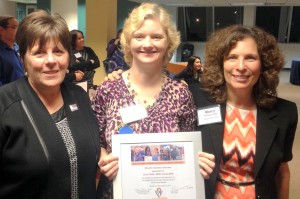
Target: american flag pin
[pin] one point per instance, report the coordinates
(73, 107)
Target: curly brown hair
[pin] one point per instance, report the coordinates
(217, 49)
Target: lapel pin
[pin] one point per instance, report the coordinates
(73, 107)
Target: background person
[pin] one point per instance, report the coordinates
(48, 132)
(83, 58)
(253, 143)
(137, 155)
(148, 151)
(174, 153)
(115, 57)
(192, 72)
(11, 67)
(156, 155)
(149, 38)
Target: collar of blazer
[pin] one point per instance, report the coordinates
(265, 133)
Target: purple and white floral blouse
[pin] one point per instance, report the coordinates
(174, 110)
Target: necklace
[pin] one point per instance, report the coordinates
(136, 96)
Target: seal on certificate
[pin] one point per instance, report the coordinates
(158, 192)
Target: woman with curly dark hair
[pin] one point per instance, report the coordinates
(248, 128)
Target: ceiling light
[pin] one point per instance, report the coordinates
(247, 4)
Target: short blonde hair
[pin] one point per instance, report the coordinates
(136, 19)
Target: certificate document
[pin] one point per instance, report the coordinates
(158, 166)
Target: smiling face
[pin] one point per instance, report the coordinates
(46, 66)
(149, 44)
(242, 66)
(197, 64)
(79, 41)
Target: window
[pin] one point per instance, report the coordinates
(295, 25)
(225, 16)
(268, 18)
(196, 23)
(281, 21)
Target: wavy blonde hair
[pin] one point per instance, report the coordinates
(136, 19)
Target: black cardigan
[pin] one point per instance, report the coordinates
(83, 65)
(187, 77)
(33, 166)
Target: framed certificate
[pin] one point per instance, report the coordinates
(158, 166)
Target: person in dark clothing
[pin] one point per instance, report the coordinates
(11, 67)
(83, 58)
(115, 56)
(252, 138)
(49, 137)
(192, 73)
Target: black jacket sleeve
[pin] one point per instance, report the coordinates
(70, 76)
(181, 75)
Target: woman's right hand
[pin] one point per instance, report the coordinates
(206, 163)
(109, 165)
(113, 75)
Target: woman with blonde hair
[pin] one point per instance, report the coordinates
(148, 40)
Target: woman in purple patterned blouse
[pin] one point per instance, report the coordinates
(149, 39)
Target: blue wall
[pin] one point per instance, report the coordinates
(81, 13)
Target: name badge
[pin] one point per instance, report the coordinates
(77, 55)
(209, 115)
(133, 113)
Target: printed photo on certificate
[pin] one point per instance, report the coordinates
(158, 166)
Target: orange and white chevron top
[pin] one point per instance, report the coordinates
(237, 164)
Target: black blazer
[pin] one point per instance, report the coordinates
(34, 160)
(275, 133)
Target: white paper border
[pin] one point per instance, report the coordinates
(145, 138)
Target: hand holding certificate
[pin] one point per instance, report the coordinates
(158, 165)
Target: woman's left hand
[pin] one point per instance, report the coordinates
(206, 163)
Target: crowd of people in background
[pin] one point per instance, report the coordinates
(54, 138)
(157, 153)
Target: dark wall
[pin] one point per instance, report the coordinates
(124, 8)
(44, 4)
